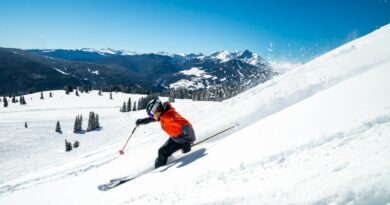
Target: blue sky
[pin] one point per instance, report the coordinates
(280, 30)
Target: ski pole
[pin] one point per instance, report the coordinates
(121, 151)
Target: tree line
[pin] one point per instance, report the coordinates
(140, 105)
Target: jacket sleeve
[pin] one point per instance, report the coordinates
(145, 121)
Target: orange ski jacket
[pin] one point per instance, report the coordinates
(172, 122)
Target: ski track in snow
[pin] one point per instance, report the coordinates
(302, 157)
(89, 159)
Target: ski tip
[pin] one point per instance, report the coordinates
(101, 188)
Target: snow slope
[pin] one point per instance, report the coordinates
(283, 66)
(318, 134)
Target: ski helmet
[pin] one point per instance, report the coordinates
(152, 107)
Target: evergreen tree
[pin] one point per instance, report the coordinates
(92, 122)
(5, 101)
(142, 102)
(13, 99)
(128, 105)
(97, 121)
(110, 95)
(68, 146)
(100, 92)
(22, 101)
(68, 89)
(171, 98)
(58, 127)
(41, 96)
(77, 124)
(135, 106)
(77, 93)
(50, 94)
(123, 108)
(25, 125)
(81, 122)
(76, 144)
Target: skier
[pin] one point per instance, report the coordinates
(180, 131)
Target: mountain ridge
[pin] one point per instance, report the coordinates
(153, 71)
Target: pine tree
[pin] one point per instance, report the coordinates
(68, 146)
(100, 92)
(91, 122)
(41, 96)
(68, 89)
(110, 95)
(140, 103)
(22, 101)
(135, 106)
(58, 127)
(123, 109)
(81, 122)
(97, 124)
(25, 125)
(5, 102)
(76, 144)
(171, 98)
(77, 127)
(13, 99)
(50, 94)
(77, 93)
(128, 105)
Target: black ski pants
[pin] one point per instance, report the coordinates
(165, 151)
(182, 142)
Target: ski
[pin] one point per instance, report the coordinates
(110, 185)
(121, 180)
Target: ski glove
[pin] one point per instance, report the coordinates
(144, 121)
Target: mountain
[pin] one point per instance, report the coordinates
(29, 71)
(21, 70)
(317, 135)
(162, 71)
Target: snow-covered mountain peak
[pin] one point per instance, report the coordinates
(223, 56)
(218, 56)
(244, 55)
(108, 51)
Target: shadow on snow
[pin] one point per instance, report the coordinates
(187, 159)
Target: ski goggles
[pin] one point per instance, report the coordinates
(154, 108)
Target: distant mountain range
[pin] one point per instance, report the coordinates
(43, 69)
